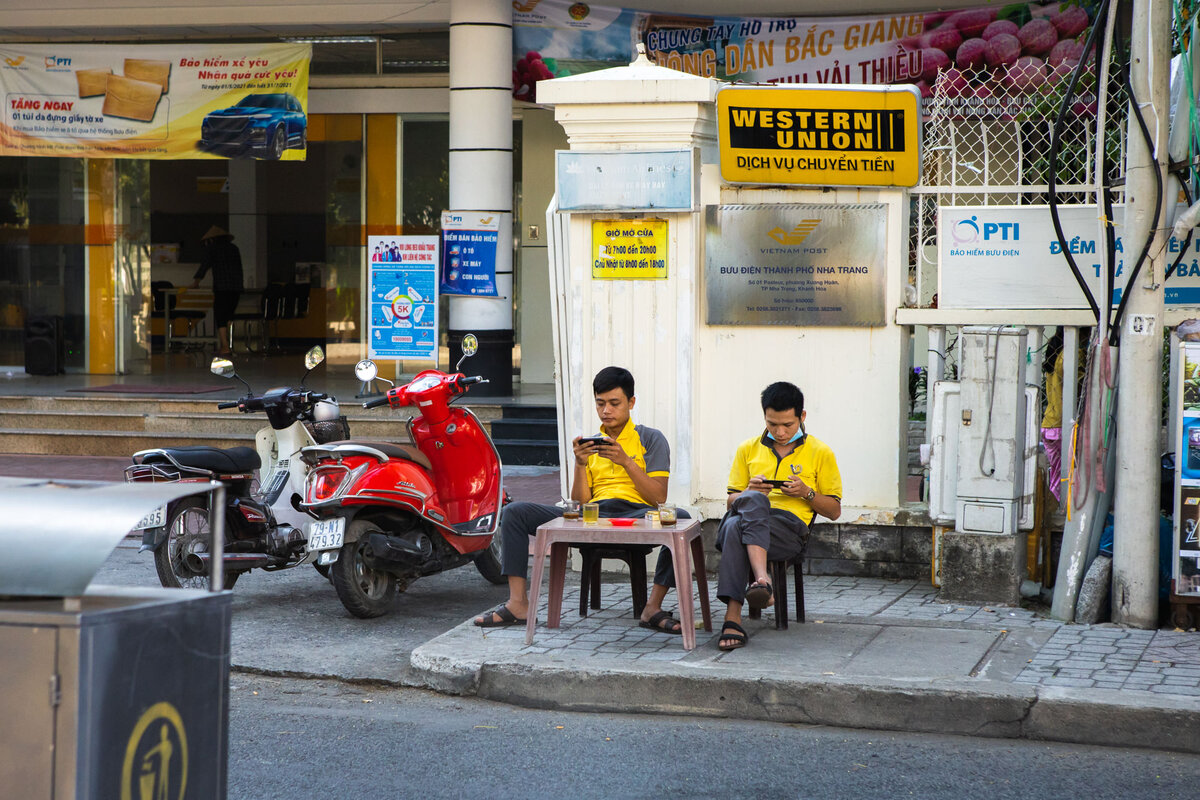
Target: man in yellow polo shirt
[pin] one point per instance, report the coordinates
(626, 475)
(778, 484)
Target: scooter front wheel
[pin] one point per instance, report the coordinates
(188, 531)
(488, 563)
(365, 592)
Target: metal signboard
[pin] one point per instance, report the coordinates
(1010, 257)
(795, 264)
(404, 297)
(629, 249)
(820, 136)
(626, 181)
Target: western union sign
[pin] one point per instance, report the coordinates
(820, 136)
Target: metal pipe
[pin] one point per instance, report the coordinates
(216, 525)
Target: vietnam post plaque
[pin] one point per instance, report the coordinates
(795, 264)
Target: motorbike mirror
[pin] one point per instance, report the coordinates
(366, 370)
(222, 367)
(470, 346)
(314, 357)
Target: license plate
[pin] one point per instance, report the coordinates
(155, 519)
(326, 534)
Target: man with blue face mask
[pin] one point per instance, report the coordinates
(778, 484)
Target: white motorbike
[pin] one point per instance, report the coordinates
(264, 525)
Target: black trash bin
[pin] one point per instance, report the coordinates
(45, 346)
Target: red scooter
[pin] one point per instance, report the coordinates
(390, 513)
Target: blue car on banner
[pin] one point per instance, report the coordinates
(260, 125)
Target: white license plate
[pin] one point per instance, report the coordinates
(326, 534)
(155, 519)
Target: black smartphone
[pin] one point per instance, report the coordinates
(593, 440)
(775, 483)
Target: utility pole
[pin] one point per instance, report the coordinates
(1139, 408)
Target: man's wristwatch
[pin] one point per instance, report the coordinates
(811, 494)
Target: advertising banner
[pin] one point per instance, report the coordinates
(403, 320)
(1018, 45)
(155, 101)
(469, 242)
(795, 264)
(626, 180)
(868, 136)
(629, 249)
(1010, 257)
(1185, 561)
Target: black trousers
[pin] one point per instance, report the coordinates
(750, 520)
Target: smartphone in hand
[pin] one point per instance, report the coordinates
(594, 441)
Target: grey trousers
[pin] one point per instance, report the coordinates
(751, 520)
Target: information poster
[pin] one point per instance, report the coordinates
(629, 249)
(155, 101)
(1186, 558)
(469, 242)
(795, 264)
(404, 297)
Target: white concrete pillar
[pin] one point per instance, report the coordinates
(481, 177)
(246, 224)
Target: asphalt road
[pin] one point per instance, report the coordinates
(316, 635)
(300, 739)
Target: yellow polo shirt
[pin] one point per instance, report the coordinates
(647, 446)
(813, 461)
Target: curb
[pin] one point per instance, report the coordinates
(964, 707)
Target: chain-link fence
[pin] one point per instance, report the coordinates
(987, 141)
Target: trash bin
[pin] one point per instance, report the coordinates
(45, 346)
(113, 692)
(122, 693)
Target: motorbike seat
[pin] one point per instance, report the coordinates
(405, 452)
(228, 460)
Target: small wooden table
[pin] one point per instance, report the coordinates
(682, 539)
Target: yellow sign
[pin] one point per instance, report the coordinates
(156, 757)
(629, 249)
(864, 136)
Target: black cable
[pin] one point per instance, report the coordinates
(1055, 138)
(1114, 329)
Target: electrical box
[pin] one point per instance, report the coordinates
(943, 453)
(991, 430)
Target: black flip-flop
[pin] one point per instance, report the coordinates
(658, 622)
(759, 595)
(731, 630)
(506, 618)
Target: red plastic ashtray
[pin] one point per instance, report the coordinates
(622, 522)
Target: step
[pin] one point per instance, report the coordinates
(519, 452)
(526, 429)
(530, 412)
(106, 443)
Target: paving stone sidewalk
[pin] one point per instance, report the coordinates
(1102, 656)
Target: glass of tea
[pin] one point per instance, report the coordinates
(591, 513)
(571, 509)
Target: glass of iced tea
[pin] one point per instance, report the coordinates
(591, 513)
(571, 509)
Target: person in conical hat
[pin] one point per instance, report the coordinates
(221, 256)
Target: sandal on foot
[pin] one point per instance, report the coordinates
(734, 632)
(760, 594)
(663, 623)
(499, 617)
